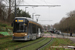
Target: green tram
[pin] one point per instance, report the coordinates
(26, 29)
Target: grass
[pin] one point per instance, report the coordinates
(35, 46)
(16, 44)
(4, 27)
(8, 44)
(59, 42)
(5, 37)
(5, 40)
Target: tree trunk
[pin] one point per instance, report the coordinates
(9, 12)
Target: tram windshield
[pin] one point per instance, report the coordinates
(20, 27)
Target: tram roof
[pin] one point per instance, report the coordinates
(26, 18)
(29, 19)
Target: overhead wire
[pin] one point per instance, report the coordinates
(35, 1)
(48, 8)
(44, 1)
(46, 4)
(34, 10)
(33, 7)
(26, 3)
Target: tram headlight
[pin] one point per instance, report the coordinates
(15, 20)
(25, 34)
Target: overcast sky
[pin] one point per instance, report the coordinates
(55, 14)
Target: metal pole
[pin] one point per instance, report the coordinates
(15, 8)
(37, 20)
(37, 17)
(33, 16)
(25, 8)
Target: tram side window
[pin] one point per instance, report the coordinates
(16, 27)
(34, 28)
(41, 30)
(37, 29)
(30, 28)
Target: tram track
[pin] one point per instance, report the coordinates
(15, 43)
(10, 43)
(36, 43)
(30, 44)
(45, 44)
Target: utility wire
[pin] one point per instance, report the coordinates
(48, 8)
(44, 1)
(34, 9)
(35, 1)
(26, 3)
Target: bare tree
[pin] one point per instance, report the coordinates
(67, 24)
(2, 10)
(11, 3)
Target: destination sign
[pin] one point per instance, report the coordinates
(18, 20)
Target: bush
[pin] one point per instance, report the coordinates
(3, 25)
(2, 29)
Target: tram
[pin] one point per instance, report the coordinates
(26, 29)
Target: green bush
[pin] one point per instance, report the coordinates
(2, 29)
(3, 25)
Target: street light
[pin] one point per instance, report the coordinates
(33, 16)
(37, 17)
(25, 8)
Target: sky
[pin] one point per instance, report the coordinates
(50, 15)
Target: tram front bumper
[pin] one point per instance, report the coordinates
(19, 38)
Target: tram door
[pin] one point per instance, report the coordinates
(39, 32)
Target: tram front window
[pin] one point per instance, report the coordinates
(20, 27)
